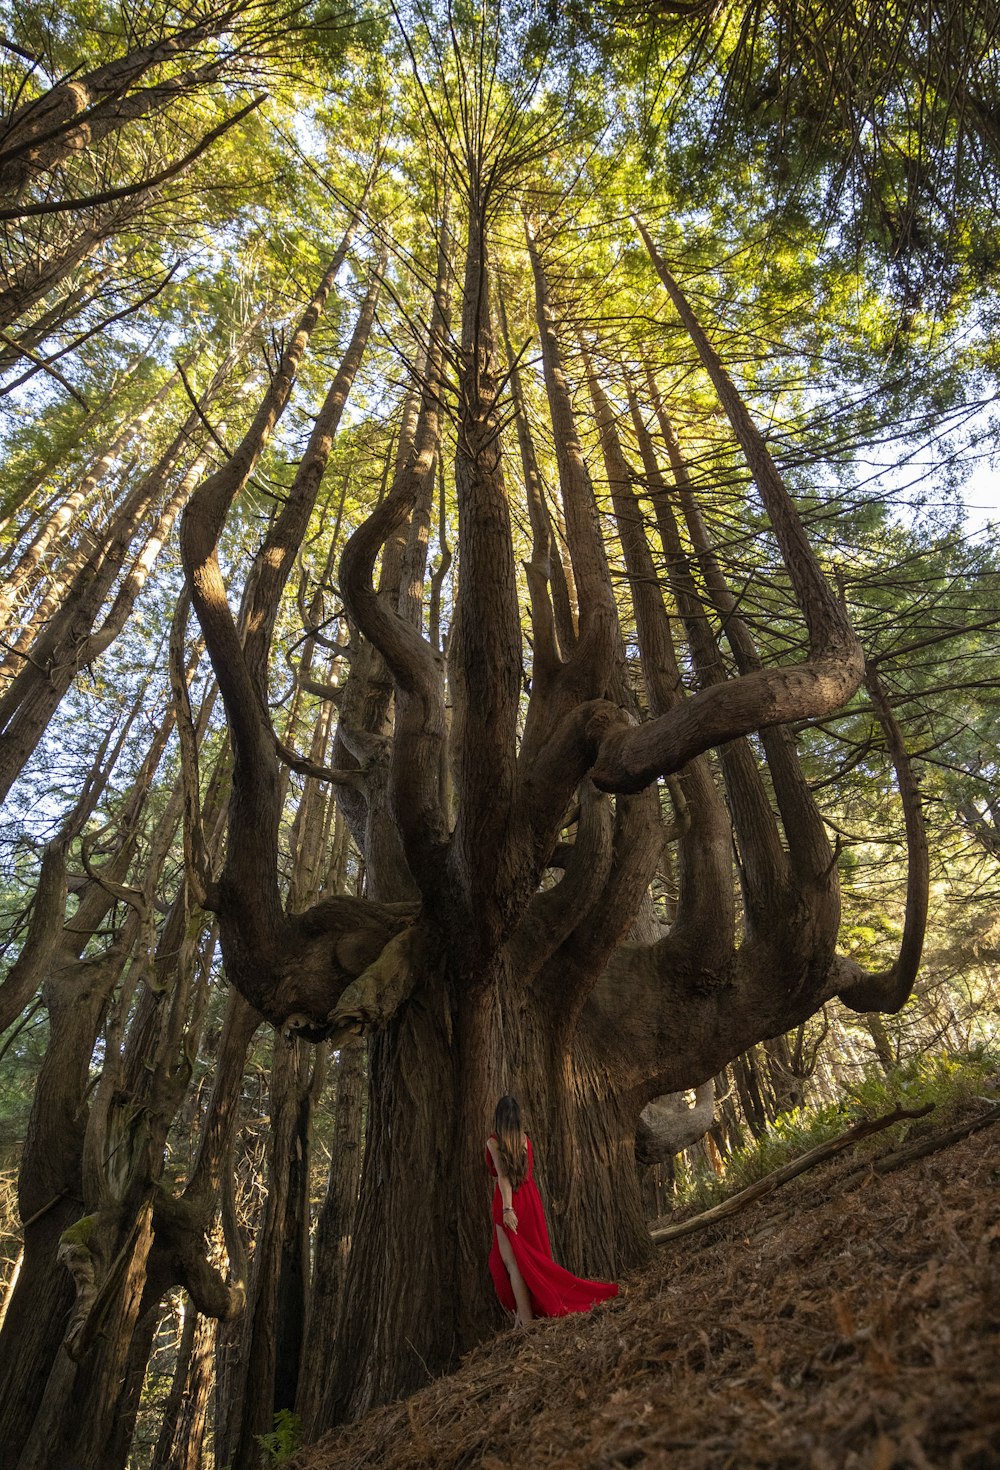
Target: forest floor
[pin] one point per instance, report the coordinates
(850, 1321)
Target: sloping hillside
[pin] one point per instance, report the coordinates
(851, 1320)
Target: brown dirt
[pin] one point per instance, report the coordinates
(850, 1322)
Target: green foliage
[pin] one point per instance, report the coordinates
(792, 1134)
(280, 1445)
(948, 1083)
(872, 943)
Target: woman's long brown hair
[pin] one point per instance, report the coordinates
(512, 1151)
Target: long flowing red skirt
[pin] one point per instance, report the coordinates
(554, 1291)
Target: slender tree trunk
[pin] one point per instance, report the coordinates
(31, 338)
(71, 638)
(880, 1039)
(786, 1087)
(62, 522)
(27, 286)
(266, 1371)
(334, 1230)
(118, 1446)
(751, 1092)
(726, 1130)
(67, 108)
(181, 1441)
(102, 119)
(77, 993)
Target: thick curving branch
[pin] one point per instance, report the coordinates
(889, 990)
(630, 759)
(554, 913)
(250, 906)
(706, 911)
(669, 1124)
(638, 843)
(415, 667)
(276, 556)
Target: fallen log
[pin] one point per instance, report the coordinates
(944, 1139)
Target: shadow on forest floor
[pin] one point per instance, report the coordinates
(851, 1322)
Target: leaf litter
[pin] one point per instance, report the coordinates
(850, 1323)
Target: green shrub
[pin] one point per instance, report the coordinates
(951, 1083)
(280, 1445)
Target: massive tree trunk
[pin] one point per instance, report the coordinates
(473, 972)
(422, 1199)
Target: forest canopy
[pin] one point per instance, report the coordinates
(492, 601)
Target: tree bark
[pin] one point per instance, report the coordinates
(334, 1231)
(60, 525)
(266, 1371)
(66, 140)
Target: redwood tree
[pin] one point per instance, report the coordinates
(519, 749)
(472, 971)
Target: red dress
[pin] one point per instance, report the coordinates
(554, 1291)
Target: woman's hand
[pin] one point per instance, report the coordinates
(509, 1218)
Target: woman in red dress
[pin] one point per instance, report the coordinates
(527, 1279)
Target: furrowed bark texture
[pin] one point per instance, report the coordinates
(471, 967)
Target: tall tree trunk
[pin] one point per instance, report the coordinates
(334, 1231)
(22, 161)
(77, 991)
(399, 1324)
(266, 1371)
(181, 1441)
(118, 1445)
(71, 638)
(61, 524)
(65, 111)
(27, 285)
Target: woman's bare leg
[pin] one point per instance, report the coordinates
(521, 1294)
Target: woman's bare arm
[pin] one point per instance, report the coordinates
(506, 1192)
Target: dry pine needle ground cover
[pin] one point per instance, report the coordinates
(849, 1322)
